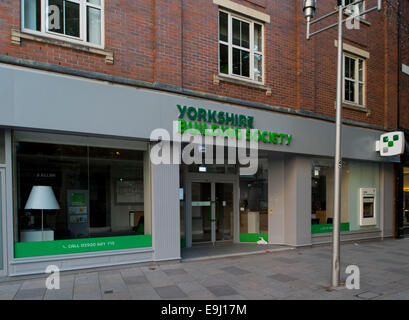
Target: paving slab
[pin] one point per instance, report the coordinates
(235, 271)
(175, 272)
(30, 294)
(8, 291)
(170, 292)
(143, 292)
(221, 291)
(282, 277)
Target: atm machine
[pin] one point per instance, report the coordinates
(367, 206)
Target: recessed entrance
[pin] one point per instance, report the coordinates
(212, 212)
(211, 208)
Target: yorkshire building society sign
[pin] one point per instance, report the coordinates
(219, 123)
(391, 144)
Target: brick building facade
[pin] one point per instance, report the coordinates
(84, 83)
(174, 43)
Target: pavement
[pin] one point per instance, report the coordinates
(292, 274)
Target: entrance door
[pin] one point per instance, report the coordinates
(201, 212)
(212, 212)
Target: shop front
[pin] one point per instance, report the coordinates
(113, 205)
(402, 207)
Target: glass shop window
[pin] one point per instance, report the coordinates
(405, 211)
(254, 204)
(322, 197)
(95, 192)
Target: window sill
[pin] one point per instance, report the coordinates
(17, 35)
(224, 78)
(354, 106)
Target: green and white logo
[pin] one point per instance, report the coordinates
(391, 144)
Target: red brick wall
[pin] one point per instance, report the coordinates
(129, 33)
(157, 41)
(404, 78)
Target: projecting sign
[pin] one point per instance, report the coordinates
(391, 144)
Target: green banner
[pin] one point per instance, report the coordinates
(57, 247)
(78, 199)
(253, 237)
(325, 228)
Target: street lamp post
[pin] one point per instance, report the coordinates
(309, 9)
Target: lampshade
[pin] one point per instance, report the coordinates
(42, 197)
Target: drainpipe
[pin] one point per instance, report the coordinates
(399, 58)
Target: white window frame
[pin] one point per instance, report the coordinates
(83, 24)
(251, 49)
(356, 81)
(352, 1)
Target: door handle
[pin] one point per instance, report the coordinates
(217, 216)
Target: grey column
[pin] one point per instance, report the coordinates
(276, 210)
(1, 218)
(297, 199)
(386, 192)
(165, 211)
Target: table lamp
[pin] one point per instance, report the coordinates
(42, 198)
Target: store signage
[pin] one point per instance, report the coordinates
(219, 123)
(391, 144)
(57, 247)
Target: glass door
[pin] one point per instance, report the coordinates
(212, 211)
(201, 212)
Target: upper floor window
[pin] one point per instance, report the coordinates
(361, 5)
(240, 47)
(354, 83)
(76, 20)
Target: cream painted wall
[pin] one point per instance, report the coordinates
(2, 147)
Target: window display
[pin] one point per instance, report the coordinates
(356, 176)
(100, 192)
(322, 187)
(405, 211)
(254, 204)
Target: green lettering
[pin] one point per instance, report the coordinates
(250, 122)
(192, 127)
(248, 136)
(242, 121)
(214, 128)
(201, 115)
(192, 113)
(289, 139)
(275, 136)
(258, 135)
(221, 117)
(211, 116)
(238, 133)
(282, 138)
(263, 136)
(229, 119)
(182, 126)
(182, 111)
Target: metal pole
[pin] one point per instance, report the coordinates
(338, 159)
